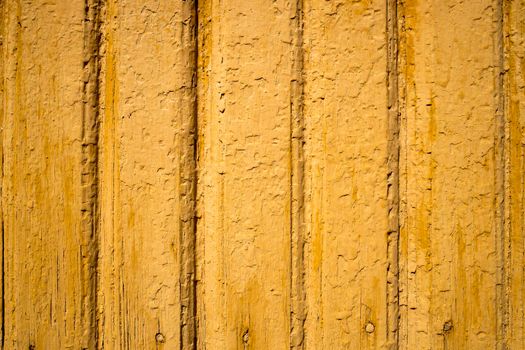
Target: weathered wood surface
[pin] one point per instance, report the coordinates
(294, 174)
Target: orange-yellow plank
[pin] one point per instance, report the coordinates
(3, 59)
(514, 90)
(244, 104)
(45, 286)
(147, 175)
(450, 69)
(346, 135)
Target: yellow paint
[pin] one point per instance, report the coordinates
(238, 74)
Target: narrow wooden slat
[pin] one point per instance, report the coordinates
(3, 95)
(450, 151)
(245, 123)
(347, 154)
(46, 301)
(147, 175)
(513, 31)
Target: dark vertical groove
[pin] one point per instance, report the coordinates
(195, 128)
(201, 74)
(502, 239)
(188, 195)
(393, 147)
(297, 270)
(89, 178)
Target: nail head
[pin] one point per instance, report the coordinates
(159, 337)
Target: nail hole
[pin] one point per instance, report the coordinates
(369, 328)
(245, 337)
(447, 326)
(159, 337)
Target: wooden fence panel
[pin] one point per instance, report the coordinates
(288, 174)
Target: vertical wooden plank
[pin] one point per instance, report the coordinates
(45, 297)
(403, 205)
(451, 155)
(148, 175)
(3, 95)
(513, 33)
(245, 172)
(202, 242)
(347, 153)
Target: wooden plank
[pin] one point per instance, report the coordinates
(245, 119)
(450, 227)
(347, 149)
(513, 56)
(3, 95)
(147, 175)
(47, 299)
(324, 154)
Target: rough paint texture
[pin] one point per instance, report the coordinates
(346, 122)
(147, 175)
(293, 174)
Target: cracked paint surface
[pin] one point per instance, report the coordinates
(293, 174)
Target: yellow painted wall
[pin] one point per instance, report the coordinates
(256, 174)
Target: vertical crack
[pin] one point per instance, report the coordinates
(393, 147)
